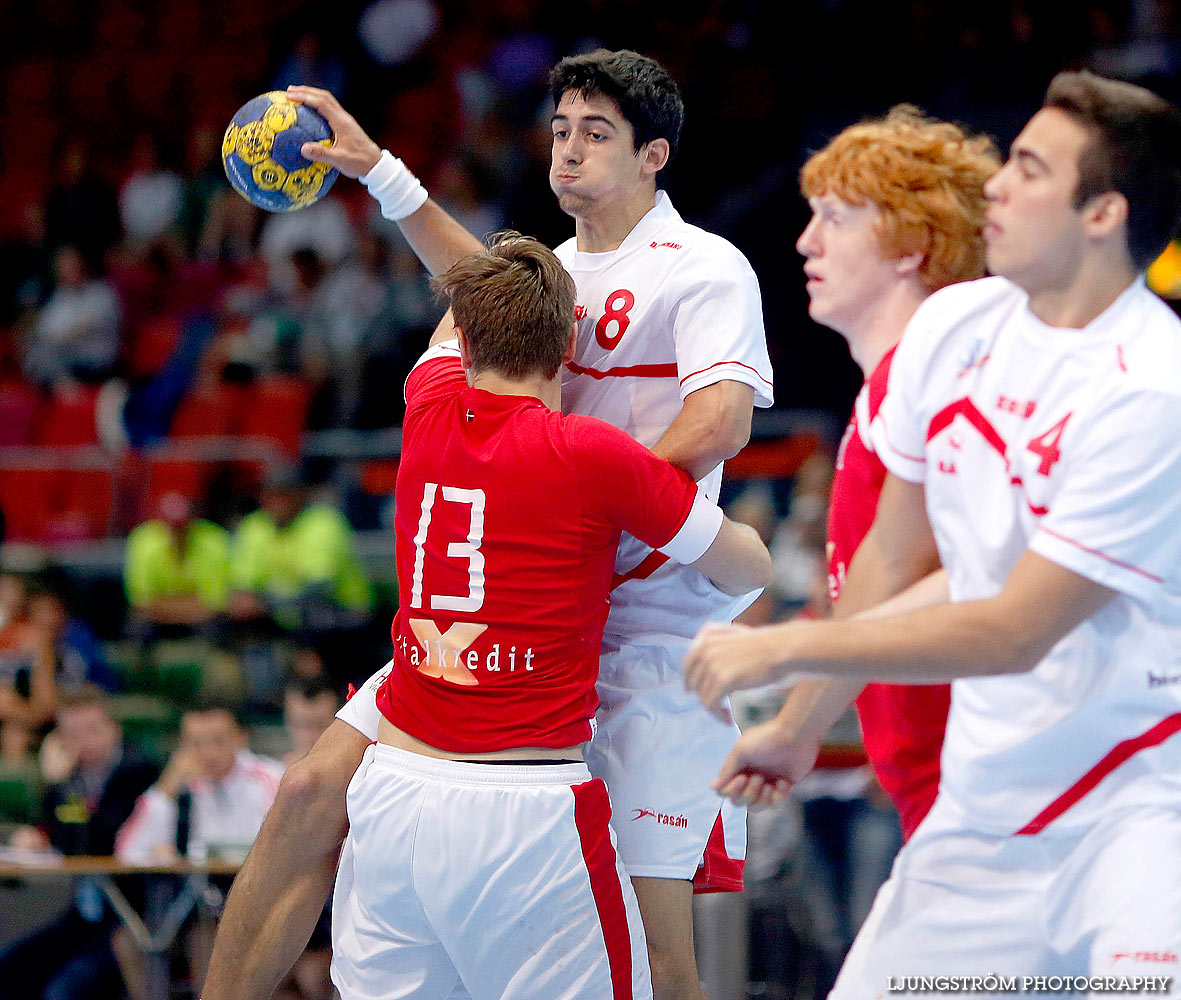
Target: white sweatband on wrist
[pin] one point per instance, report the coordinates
(397, 190)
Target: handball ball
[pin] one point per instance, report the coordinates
(261, 154)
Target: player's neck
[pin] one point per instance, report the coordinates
(881, 326)
(604, 228)
(548, 390)
(1084, 295)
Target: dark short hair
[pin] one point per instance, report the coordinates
(216, 706)
(647, 96)
(1135, 149)
(312, 688)
(515, 305)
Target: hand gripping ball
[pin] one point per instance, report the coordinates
(260, 152)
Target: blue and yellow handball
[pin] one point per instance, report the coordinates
(261, 153)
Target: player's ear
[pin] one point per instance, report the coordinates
(572, 343)
(909, 265)
(1105, 213)
(465, 357)
(655, 155)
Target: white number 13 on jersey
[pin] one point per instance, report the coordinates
(469, 550)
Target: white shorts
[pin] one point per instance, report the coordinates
(657, 749)
(1105, 902)
(494, 881)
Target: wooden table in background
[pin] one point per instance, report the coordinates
(167, 902)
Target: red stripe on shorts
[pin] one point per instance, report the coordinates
(592, 814)
(1118, 754)
(718, 872)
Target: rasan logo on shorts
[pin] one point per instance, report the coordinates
(662, 818)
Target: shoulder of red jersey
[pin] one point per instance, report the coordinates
(438, 372)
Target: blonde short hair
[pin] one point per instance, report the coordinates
(926, 177)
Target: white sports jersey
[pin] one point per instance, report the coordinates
(1066, 442)
(226, 813)
(672, 310)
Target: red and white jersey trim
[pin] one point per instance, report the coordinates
(698, 532)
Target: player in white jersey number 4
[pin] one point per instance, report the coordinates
(671, 349)
(1031, 433)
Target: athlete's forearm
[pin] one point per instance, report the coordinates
(813, 706)
(713, 425)
(737, 561)
(279, 893)
(437, 238)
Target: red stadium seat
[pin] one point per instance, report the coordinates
(47, 505)
(25, 497)
(276, 408)
(207, 411)
(188, 477)
(379, 476)
(780, 459)
(69, 419)
(83, 506)
(19, 402)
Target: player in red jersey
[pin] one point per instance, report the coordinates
(683, 379)
(897, 211)
(479, 856)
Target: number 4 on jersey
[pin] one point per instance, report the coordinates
(1045, 446)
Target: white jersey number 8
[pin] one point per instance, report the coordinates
(469, 550)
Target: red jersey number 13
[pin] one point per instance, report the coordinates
(469, 549)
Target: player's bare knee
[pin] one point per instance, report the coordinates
(310, 793)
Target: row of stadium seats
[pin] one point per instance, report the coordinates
(56, 497)
(273, 407)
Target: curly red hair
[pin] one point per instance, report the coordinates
(926, 177)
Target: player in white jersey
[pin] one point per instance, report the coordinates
(1030, 430)
(671, 348)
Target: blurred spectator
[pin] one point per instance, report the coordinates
(393, 31)
(76, 334)
(294, 576)
(310, 66)
(151, 197)
(364, 313)
(458, 186)
(22, 274)
(323, 227)
(78, 657)
(204, 181)
(309, 706)
(81, 209)
(175, 571)
(280, 331)
(72, 956)
(797, 547)
(209, 802)
(27, 690)
(294, 562)
(231, 790)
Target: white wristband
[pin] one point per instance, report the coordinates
(397, 190)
